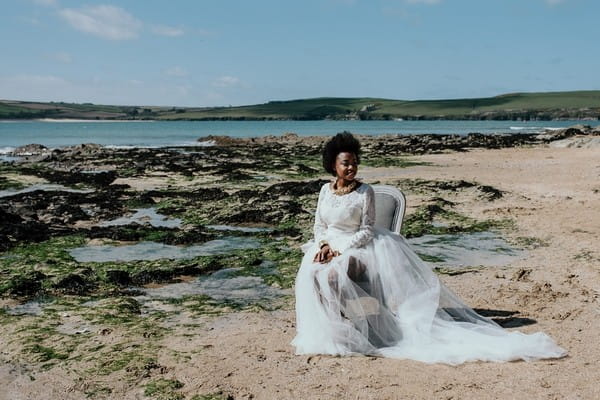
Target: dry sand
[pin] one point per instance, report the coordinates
(552, 194)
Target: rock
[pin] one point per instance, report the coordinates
(582, 127)
(77, 282)
(290, 137)
(489, 192)
(24, 284)
(30, 150)
(580, 142)
(118, 276)
(85, 148)
(558, 134)
(73, 176)
(294, 188)
(15, 229)
(223, 140)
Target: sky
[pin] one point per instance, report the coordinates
(236, 52)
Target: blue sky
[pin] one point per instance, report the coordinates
(207, 52)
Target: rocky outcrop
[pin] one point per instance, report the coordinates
(29, 150)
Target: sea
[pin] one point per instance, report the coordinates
(123, 134)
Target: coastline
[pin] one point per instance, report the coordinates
(549, 195)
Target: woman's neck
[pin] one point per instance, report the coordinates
(341, 182)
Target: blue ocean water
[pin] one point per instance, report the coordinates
(158, 134)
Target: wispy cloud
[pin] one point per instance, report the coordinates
(226, 81)
(104, 21)
(554, 2)
(170, 31)
(176, 71)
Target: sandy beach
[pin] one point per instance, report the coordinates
(552, 197)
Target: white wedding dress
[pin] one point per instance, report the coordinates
(379, 298)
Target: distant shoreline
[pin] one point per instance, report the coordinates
(547, 106)
(51, 120)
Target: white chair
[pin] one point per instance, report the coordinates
(390, 205)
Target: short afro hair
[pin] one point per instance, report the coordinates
(343, 142)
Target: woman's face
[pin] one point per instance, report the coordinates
(345, 166)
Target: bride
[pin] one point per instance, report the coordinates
(363, 290)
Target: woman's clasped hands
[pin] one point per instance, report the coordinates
(325, 254)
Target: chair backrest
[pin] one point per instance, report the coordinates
(390, 205)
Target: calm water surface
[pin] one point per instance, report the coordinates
(163, 133)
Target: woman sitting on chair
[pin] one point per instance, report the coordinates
(363, 290)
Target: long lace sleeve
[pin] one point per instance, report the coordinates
(320, 227)
(366, 232)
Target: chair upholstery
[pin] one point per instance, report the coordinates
(390, 205)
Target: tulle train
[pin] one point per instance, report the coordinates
(383, 300)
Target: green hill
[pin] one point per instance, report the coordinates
(550, 105)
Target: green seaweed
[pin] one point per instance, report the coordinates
(46, 353)
(430, 258)
(433, 219)
(377, 161)
(7, 183)
(164, 389)
(212, 396)
(529, 242)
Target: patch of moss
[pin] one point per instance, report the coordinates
(95, 390)
(164, 389)
(114, 311)
(6, 183)
(455, 271)
(212, 396)
(434, 219)
(130, 358)
(586, 255)
(529, 242)
(206, 305)
(393, 161)
(430, 258)
(46, 353)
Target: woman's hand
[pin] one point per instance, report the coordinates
(325, 255)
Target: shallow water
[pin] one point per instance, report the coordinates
(145, 216)
(156, 251)
(238, 228)
(32, 307)
(226, 284)
(49, 187)
(180, 133)
(470, 249)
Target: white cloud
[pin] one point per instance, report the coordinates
(105, 21)
(554, 2)
(170, 31)
(226, 81)
(176, 71)
(59, 56)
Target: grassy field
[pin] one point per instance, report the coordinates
(550, 105)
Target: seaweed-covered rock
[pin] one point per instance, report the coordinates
(490, 192)
(15, 229)
(295, 188)
(78, 282)
(118, 276)
(26, 283)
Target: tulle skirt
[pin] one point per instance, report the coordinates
(383, 300)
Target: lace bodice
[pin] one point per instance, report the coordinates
(345, 221)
